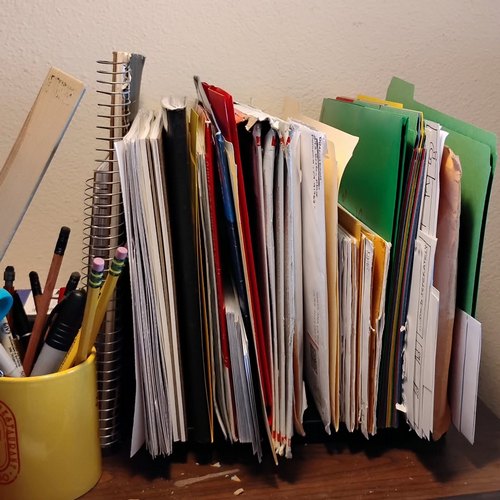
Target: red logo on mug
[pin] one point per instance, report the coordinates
(9, 449)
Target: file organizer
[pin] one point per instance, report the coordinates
(104, 228)
(242, 170)
(105, 231)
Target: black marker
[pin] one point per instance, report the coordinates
(61, 334)
(21, 324)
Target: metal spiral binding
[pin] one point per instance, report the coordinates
(104, 231)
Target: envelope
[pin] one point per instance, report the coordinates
(339, 151)
(315, 280)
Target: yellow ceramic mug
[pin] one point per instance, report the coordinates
(49, 438)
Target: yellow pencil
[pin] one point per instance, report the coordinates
(93, 289)
(69, 359)
(107, 290)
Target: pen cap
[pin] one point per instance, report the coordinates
(35, 283)
(6, 300)
(9, 275)
(62, 240)
(68, 321)
(72, 283)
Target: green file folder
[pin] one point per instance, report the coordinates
(370, 184)
(372, 189)
(477, 150)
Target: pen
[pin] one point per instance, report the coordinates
(21, 324)
(7, 365)
(70, 285)
(10, 345)
(36, 289)
(61, 334)
(48, 290)
(93, 289)
(107, 290)
(9, 275)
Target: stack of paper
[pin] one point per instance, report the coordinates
(363, 267)
(159, 407)
(392, 186)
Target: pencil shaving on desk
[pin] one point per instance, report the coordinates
(192, 480)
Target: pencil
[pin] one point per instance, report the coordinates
(93, 289)
(50, 283)
(107, 290)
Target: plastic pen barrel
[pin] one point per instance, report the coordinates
(8, 366)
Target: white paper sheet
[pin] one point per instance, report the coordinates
(347, 252)
(364, 333)
(464, 373)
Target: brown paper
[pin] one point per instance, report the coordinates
(445, 280)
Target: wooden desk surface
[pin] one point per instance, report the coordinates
(395, 464)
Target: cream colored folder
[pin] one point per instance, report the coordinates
(380, 269)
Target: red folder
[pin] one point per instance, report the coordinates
(223, 109)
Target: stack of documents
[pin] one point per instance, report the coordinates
(270, 254)
(157, 363)
(392, 185)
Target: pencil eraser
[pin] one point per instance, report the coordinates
(121, 253)
(98, 265)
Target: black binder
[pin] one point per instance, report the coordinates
(180, 182)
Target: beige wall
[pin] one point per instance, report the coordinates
(260, 51)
